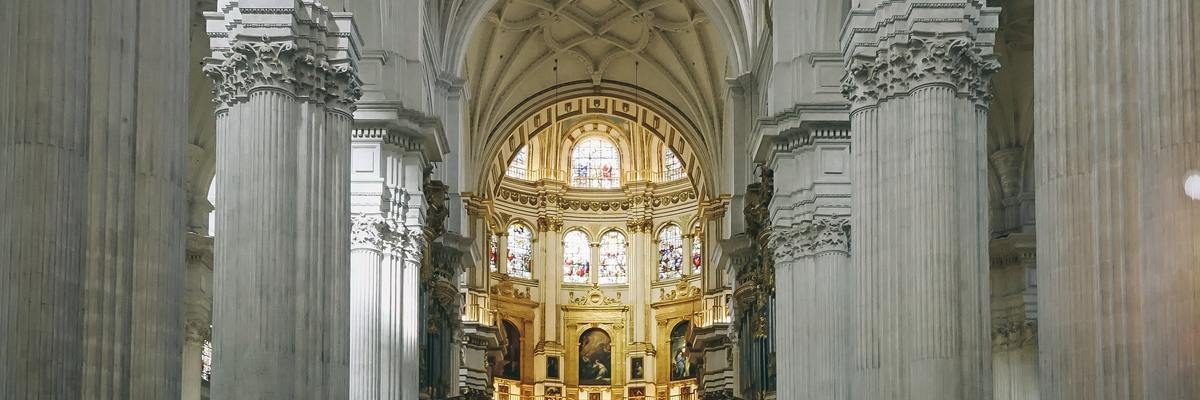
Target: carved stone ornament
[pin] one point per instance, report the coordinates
(594, 297)
(283, 66)
(505, 288)
(1013, 335)
(898, 69)
(306, 50)
(549, 224)
(366, 231)
(680, 292)
(833, 235)
(820, 235)
(197, 331)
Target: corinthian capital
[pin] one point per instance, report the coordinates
(366, 231)
(311, 56)
(898, 47)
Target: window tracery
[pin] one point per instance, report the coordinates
(670, 253)
(613, 259)
(520, 251)
(672, 166)
(519, 166)
(577, 264)
(595, 163)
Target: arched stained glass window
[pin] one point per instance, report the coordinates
(493, 252)
(595, 163)
(670, 253)
(614, 264)
(697, 253)
(519, 167)
(577, 264)
(520, 251)
(672, 167)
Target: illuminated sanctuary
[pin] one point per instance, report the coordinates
(600, 200)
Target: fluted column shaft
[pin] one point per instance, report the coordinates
(43, 170)
(281, 291)
(91, 164)
(371, 353)
(917, 78)
(1117, 88)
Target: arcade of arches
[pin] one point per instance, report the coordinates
(600, 199)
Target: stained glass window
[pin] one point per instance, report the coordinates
(672, 167)
(577, 265)
(697, 253)
(670, 253)
(520, 251)
(613, 261)
(519, 167)
(493, 252)
(595, 163)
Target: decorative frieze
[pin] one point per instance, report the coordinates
(594, 297)
(599, 205)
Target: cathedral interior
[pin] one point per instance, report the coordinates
(600, 199)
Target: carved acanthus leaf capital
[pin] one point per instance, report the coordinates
(366, 231)
(896, 70)
(813, 237)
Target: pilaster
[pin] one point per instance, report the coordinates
(285, 82)
(917, 77)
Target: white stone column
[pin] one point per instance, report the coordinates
(91, 162)
(1117, 237)
(810, 242)
(388, 208)
(372, 360)
(43, 169)
(284, 74)
(917, 78)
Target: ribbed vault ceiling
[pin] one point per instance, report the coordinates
(513, 54)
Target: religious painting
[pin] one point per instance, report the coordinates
(595, 357)
(613, 259)
(637, 393)
(594, 396)
(637, 368)
(685, 393)
(553, 393)
(670, 253)
(552, 367)
(510, 367)
(577, 265)
(682, 366)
